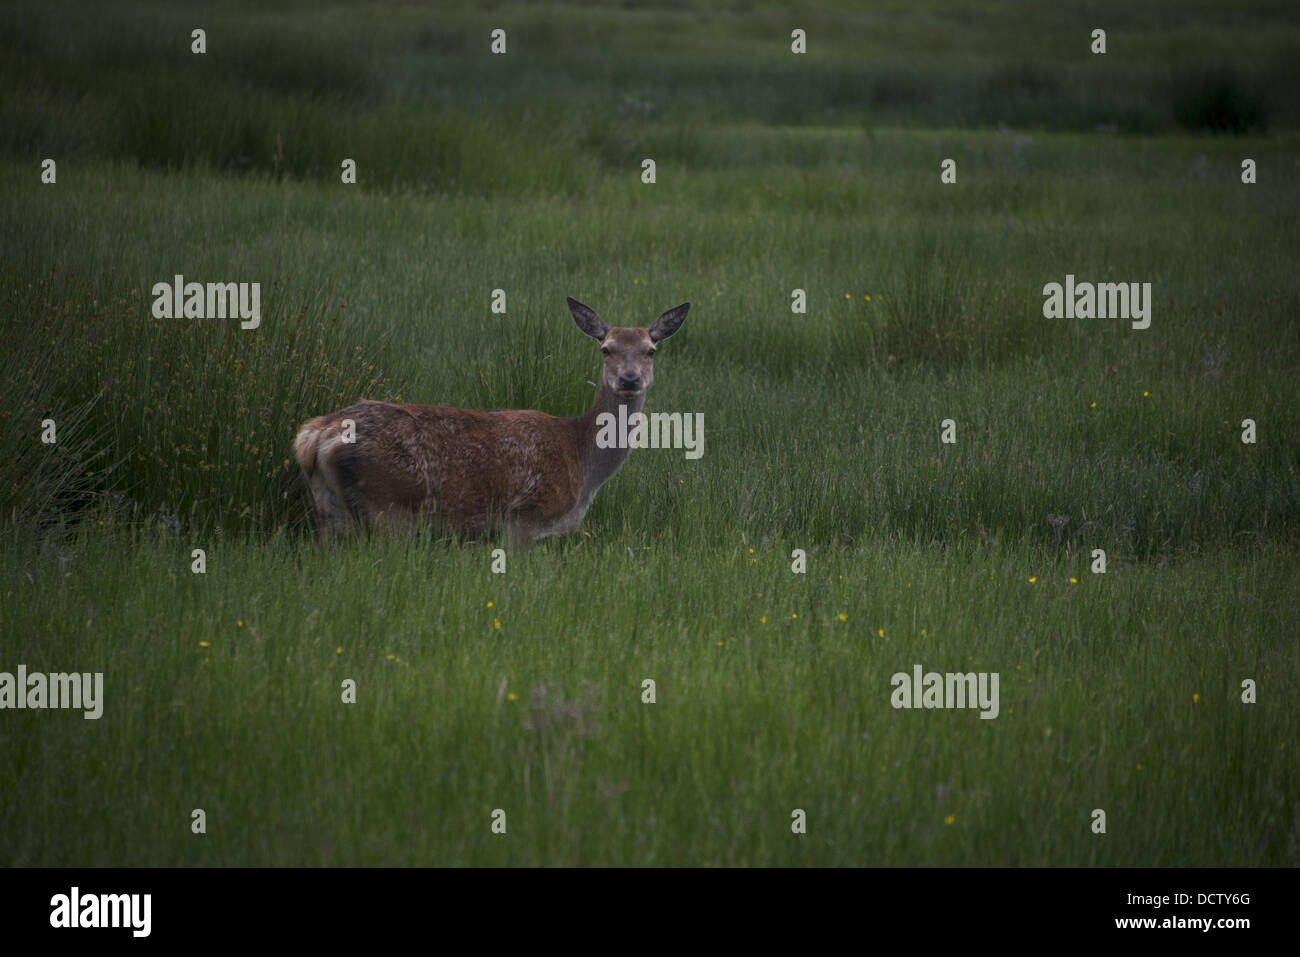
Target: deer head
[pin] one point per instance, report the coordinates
(628, 351)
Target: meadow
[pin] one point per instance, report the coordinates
(523, 691)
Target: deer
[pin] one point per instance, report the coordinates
(383, 465)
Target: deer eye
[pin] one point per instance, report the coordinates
(651, 352)
(604, 351)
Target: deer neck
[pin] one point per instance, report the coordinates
(598, 464)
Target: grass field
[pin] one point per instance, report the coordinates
(523, 691)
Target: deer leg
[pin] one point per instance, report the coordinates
(519, 533)
(333, 515)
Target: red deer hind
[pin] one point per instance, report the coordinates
(380, 464)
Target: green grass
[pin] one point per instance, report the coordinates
(752, 719)
(410, 92)
(822, 433)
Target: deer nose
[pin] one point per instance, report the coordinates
(629, 383)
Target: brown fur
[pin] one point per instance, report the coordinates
(472, 469)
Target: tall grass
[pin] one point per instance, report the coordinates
(223, 692)
(183, 420)
(523, 691)
(920, 310)
(418, 102)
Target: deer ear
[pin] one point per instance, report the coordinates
(587, 320)
(669, 322)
